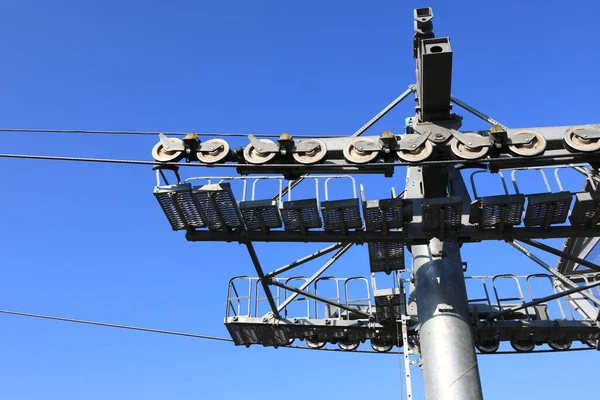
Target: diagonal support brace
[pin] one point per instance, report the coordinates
(321, 299)
(543, 300)
(310, 280)
(263, 281)
(562, 254)
(553, 271)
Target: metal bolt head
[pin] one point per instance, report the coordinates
(439, 136)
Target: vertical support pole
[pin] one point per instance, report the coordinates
(450, 368)
(404, 330)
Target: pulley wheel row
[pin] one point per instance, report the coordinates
(379, 345)
(174, 149)
(255, 155)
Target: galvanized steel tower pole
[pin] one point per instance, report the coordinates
(446, 344)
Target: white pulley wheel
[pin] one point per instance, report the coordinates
(467, 152)
(420, 154)
(252, 156)
(533, 148)
(578, 143)
(217, 155)
(354, 153)
(160, 154)
(314, 156)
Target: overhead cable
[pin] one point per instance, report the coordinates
(135, 328)
(270, 166)
(102, 132)
(223, 339)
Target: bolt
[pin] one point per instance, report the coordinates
(260, 149)
(327, 322)
(470, 144)
(413, 146)
(235, 318)
(439, 135)
(360, 147)
(296, 320)
(265, 319)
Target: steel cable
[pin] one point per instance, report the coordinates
(270, 166)
(102, 132)
(223, 339)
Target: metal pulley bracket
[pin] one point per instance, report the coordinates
(437, 133)
(263, 147)
(304, 146)
(472, 140)
(521, 138)
(208, 146)
(171, 145)
(587, 132)
(412, 141)
(283, 146)
(367, 145)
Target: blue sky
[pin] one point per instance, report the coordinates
(89, 241)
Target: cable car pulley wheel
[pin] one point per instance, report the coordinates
(579, 143)
(381, 346)
(421, 153)
(522, 345)
(314, 343)
(160, 154)
(348, 345)
(314, 156)
(465, 151)
(252, 156)
(219, 154)
(487, 346)
(354, 153)
(533, 148)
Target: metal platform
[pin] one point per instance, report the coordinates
(364, 314)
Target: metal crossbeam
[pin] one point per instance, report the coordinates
(411, 235)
